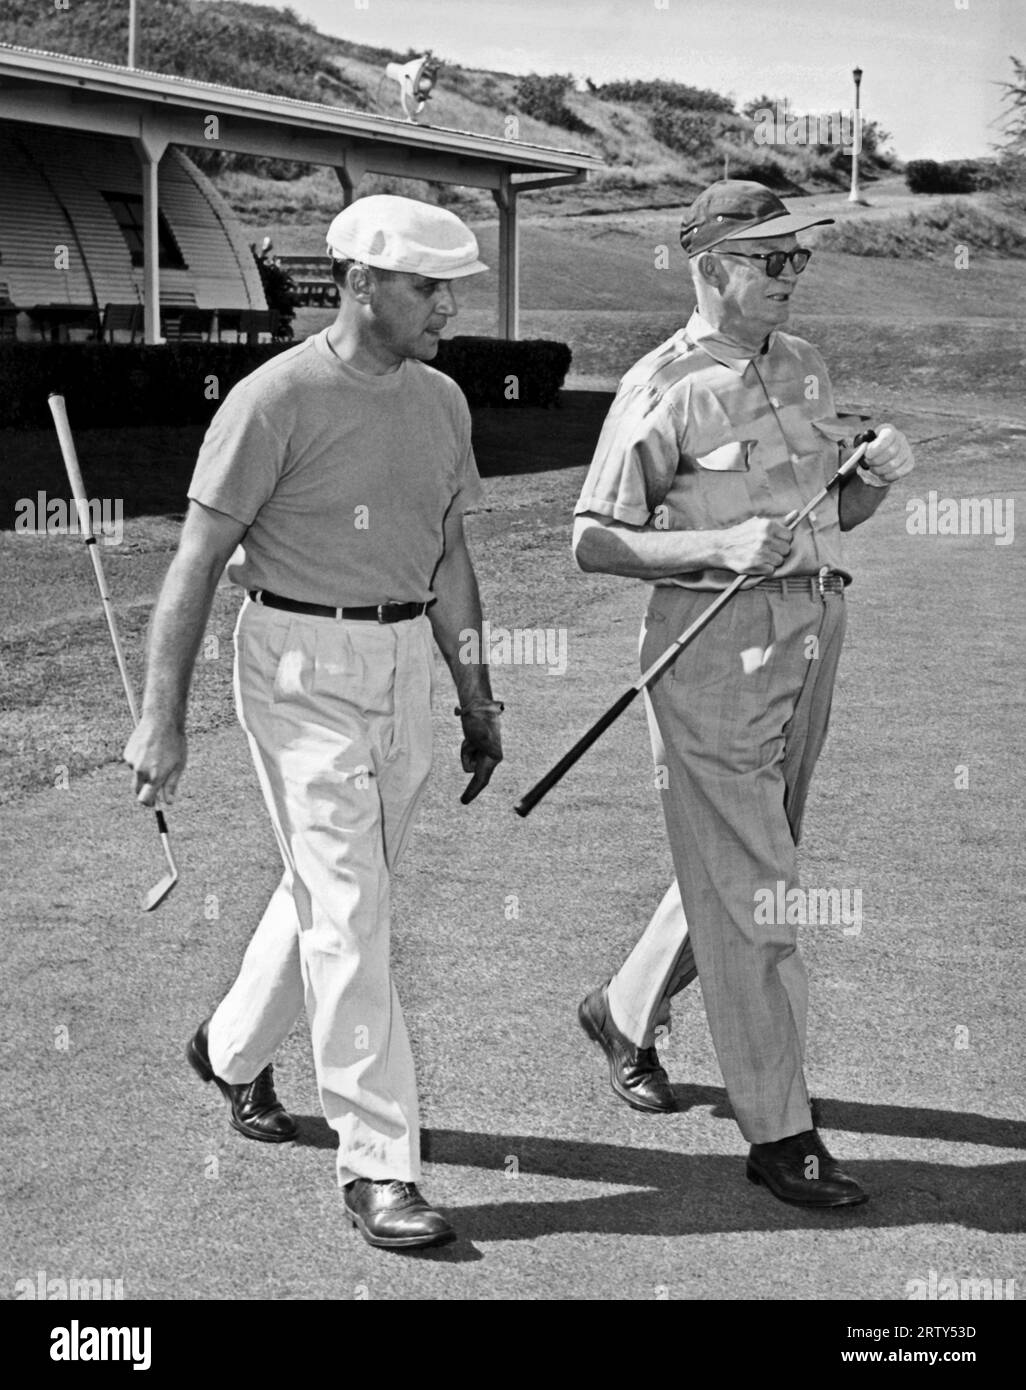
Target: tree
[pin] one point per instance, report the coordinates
(1014, 121)
(1011, 167)
(764, 103)
(543, 98)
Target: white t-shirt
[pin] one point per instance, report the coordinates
(343, 478)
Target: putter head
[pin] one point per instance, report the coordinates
(159, 891)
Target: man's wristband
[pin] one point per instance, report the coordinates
(477, 706)
(870, 478)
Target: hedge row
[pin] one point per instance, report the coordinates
(183, 383)
(676, 94)
(492, 371)
(947, 176)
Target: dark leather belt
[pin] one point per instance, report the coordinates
(806, 585)
(376, 613)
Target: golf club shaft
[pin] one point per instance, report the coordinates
(59, 411)
(530, 799)
(746, 581)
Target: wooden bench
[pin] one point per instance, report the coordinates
(66, 323)
(121, 318)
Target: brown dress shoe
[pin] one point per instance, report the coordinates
(634, 1072)
(393, 1215)
(801, 1170)
(255, 1110)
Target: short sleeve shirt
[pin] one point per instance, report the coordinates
(343, 479)
(704, 435)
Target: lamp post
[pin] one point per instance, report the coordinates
(855, 196)
(132, 32)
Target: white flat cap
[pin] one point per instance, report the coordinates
(404, 234)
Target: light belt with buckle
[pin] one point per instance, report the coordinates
(374, 613)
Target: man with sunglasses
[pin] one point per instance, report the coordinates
(714, 440)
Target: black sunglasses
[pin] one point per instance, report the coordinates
(776, 260)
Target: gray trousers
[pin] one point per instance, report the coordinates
(737, 726)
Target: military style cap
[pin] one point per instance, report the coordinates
(732, 210)
(404, 234)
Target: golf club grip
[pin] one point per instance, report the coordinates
(59, 411)
(530, 799)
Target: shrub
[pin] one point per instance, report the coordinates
(121, 383)
(761, 168)
(757, 105)
(127, 384)
(840, 163)
(543, 98)
(687, 132)
(931, 232)
(673, 94)
(952, 176)
(484, 367)
(1008, 176)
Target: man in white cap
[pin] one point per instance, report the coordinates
(714, 439)
(341, 470)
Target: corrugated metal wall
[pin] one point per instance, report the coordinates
(52, 184)
(219, 256)
(32, 228)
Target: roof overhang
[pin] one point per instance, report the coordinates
(82, 94)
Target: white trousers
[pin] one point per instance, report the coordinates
(338, 717)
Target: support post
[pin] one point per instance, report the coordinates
(349, 175)
(855, 196)
(150, 149)
(133, 32)
(509, 259)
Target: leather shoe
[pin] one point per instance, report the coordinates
(393, 1215)
(801, 1170)
(255, 1110)
(634, 1072)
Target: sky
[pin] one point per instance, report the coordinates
(931, 67)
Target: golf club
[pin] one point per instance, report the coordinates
(58, 409)
(530, 799)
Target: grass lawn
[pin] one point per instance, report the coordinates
(913, 1044)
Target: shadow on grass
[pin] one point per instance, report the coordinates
(511, 442)
(858, 1117)
(691, 1194)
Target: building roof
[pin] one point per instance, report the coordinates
(101, 87)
